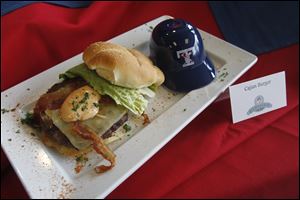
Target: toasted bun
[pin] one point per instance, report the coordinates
(121, 66)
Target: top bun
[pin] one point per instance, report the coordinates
(121, 66)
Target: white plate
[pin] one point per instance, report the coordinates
(45, 174)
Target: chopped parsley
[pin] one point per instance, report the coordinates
(82, 101)
(85, 97)
(184, 110)
(3, 110)
(18, 131)
(75, 106)
(81, 159)
(224, 74)
(29, 120)
(127, 128)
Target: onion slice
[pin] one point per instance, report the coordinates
(98, 145)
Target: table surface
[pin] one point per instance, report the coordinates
(209, 158)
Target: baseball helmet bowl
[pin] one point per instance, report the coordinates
(176, 47)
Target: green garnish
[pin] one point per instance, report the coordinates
(224, 74)
(127, 128)
(75, 106)
(29, 120)
(85, 97)
(3, 110)
(82, 101)
(81, 159)
(18, 131)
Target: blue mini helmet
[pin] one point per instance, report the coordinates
(176, 48)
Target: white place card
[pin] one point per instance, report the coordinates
(258, 96)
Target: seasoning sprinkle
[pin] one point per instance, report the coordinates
(127, 128)
(3, 110)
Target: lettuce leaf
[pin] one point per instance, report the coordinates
(146, 91)
(132, 99)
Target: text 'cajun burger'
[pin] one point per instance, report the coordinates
(93, 100)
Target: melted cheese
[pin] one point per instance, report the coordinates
(100, 125)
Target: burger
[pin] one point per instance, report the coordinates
(94, 98)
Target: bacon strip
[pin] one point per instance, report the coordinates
(98, 145)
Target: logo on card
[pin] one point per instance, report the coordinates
(259, 105)
(186, 55)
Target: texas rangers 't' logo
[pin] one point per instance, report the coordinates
(186, 54)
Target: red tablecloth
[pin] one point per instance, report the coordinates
(211, 157)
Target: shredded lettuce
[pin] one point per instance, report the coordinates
(153, 87)
(132, 99)
(146, 92)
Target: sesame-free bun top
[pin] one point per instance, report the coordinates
(121, 66)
